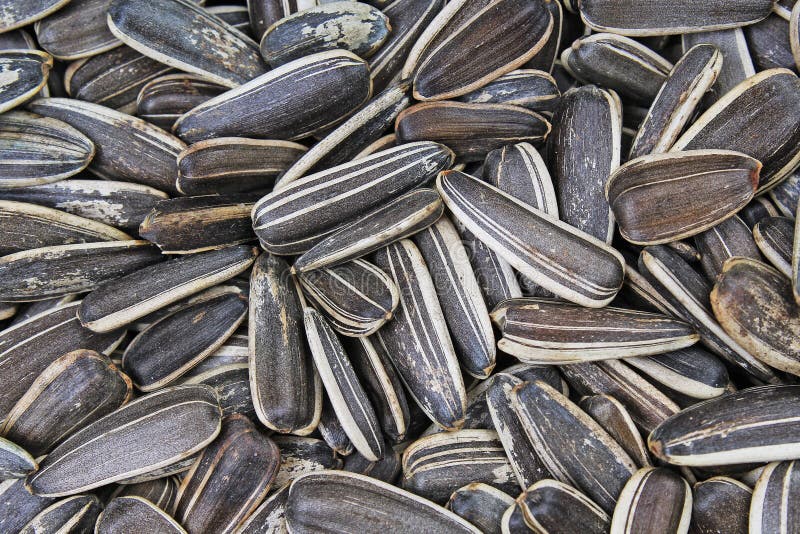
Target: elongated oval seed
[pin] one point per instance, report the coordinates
(79, 513)
(125, 514)
(163, 100)
(295, 100)
(151, 432)
(566, 261)
(692, 372)
(665, 197)
(721, 504)
(26, 74)
(533, 89)
(269, 517)
(758, 424)
(612, 415)
(16, 15)
(185, 36)
(552, 506)
(727, 239)
(773, 507)
(15, 462)
(655, 499)
(18, 505)
(160, 492)
(774, 236)
(303, 455)
(78, 30)
(480, 504)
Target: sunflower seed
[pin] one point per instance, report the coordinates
(78, 30)
(27, 348)
(385, 469)
(471, 130)
(480, 504)
(417, 340)
(727, 239)
(692, 372)
(737, 64)
(293, 219)
(73, 514)
(665, 197)
(303, 455)
(17, 40)
(332, 430)
(532, 89)
(295, 100)
(18, 506)
(123, 142)
(128, 514)
(356, 297)
(264, 13)
(551, 506)
(16, 15)
(614, 418)
(269, 517)
(775, 237)
(160, 492)
(615, 62)
(164, 99)
(655, 499)
(315, 503)
(25, 74)
(721, 504)
(175, 469)
(352, 26)
(786, 194)
(665, 17)
(758, 209)
(232, 384)
(769, 44)
(15, 462)
(773, 508)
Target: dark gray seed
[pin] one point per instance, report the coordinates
(758, 424)
(352, 26)
(647, 405)
(17, 40)
(471, 130)
(36, 150)
(287, 393)
(119, 204)
(786, 194)
(78, 30)
(27, 348)
(269, 517)
(122, 301)
(25, 73)
(720, 504)
(163, 100)
(532, 89)
(493, 41)
(112, 79)
(497, 219)
(175, 469)
(480, 504)
(758, 209)
(356, 297)
(692, 372)
(690, 79)
(18, 506)
(332, 431)
(735, 122)
(655, 499)
(551, 506)
(185, 36)
(234, 165)
(661, 198)
(232, 383)
(315, 504)
(521, 172)
(584, 150)
(546, 57)
(151, 432)
(160, 492)
(737, 65)
(122, 142)
(665, 17)
(73, 514)
(435, 466)
(386, 469)
(130, 514)
(727, 239)
(15, 462)
(229, 479)
(575, 449)
(264, 13)
(774, 506)
(769, 44)
(614, 418)
(775, 237)
(233, 352)
(619, 63)
(303, 455)
(75, 390)
(294, 218)
(298, 99)
(417, 340)
(16, 14)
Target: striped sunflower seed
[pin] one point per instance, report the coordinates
(737, 65)
(655, 499)
(18, 506)
(535, 90)
(122, 301)
(15, 462)
(614, 418)
(417, 340)
(385, 469)
(78, 30)
(756, 307)
(661, 198)
(774, 237)
(352, 26)
(480, 504)
(470, 130)
(356, 297)
(315, 503)
(726, 240)
(551, 506)
(160, 492)
(758, 209)
(57, 149)
(546, 57)
(735, 122)
(78, 513)
(286, 389)
(185, 36)
(769, 43)
(221, 490)
(269, 518)
(123, 142)
(786, 194)
(496, 218)
(773, 508)
(16, 15)
(264, 13)
(26, 349)
(332, 431)
(176, 469)
(148, 433)
(757, 424)
(232, 384)
(164, 99)
(26, 73)
(721, 504)
(692, 372)
(127, 514)
(75, 390)
(292, 219)
(302, 455)
(285, 102)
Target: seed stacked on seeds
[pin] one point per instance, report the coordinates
(496, 266)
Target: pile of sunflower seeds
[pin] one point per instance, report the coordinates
(409, 266)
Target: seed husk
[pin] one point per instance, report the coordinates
(15, 462)
(727, 239)
(666, 17)
(235, 15)
(480, 504)
(774, 237)
(151, 432)
(759, 208)
(175, 469)
(385, 469)
(27, 72)
(614, 418)
(315, 502)
(123, 143)
(78, 30)
(17, 40)
(126, 514)
(285, 102)
(264, 13)
(532, 89)
(122, 301)
(496, 218)
(356, 297)
(417, 340)
(73, 514)
(160, 492)
(293, 219)
(302, 455)
(332, 431)
(786, 194)
(16, 15)
(286, 389)
(232, 383)
(691, 371)
(735, 122)
(552, 506)
(546, 57)
(269, 517)
(661, 198)
(164, 99)
(18, 506)
(769, 43)
(721, 504)
(352, 26)
(737, 65)
(470, 130)
(655, 499)
(773, 508)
